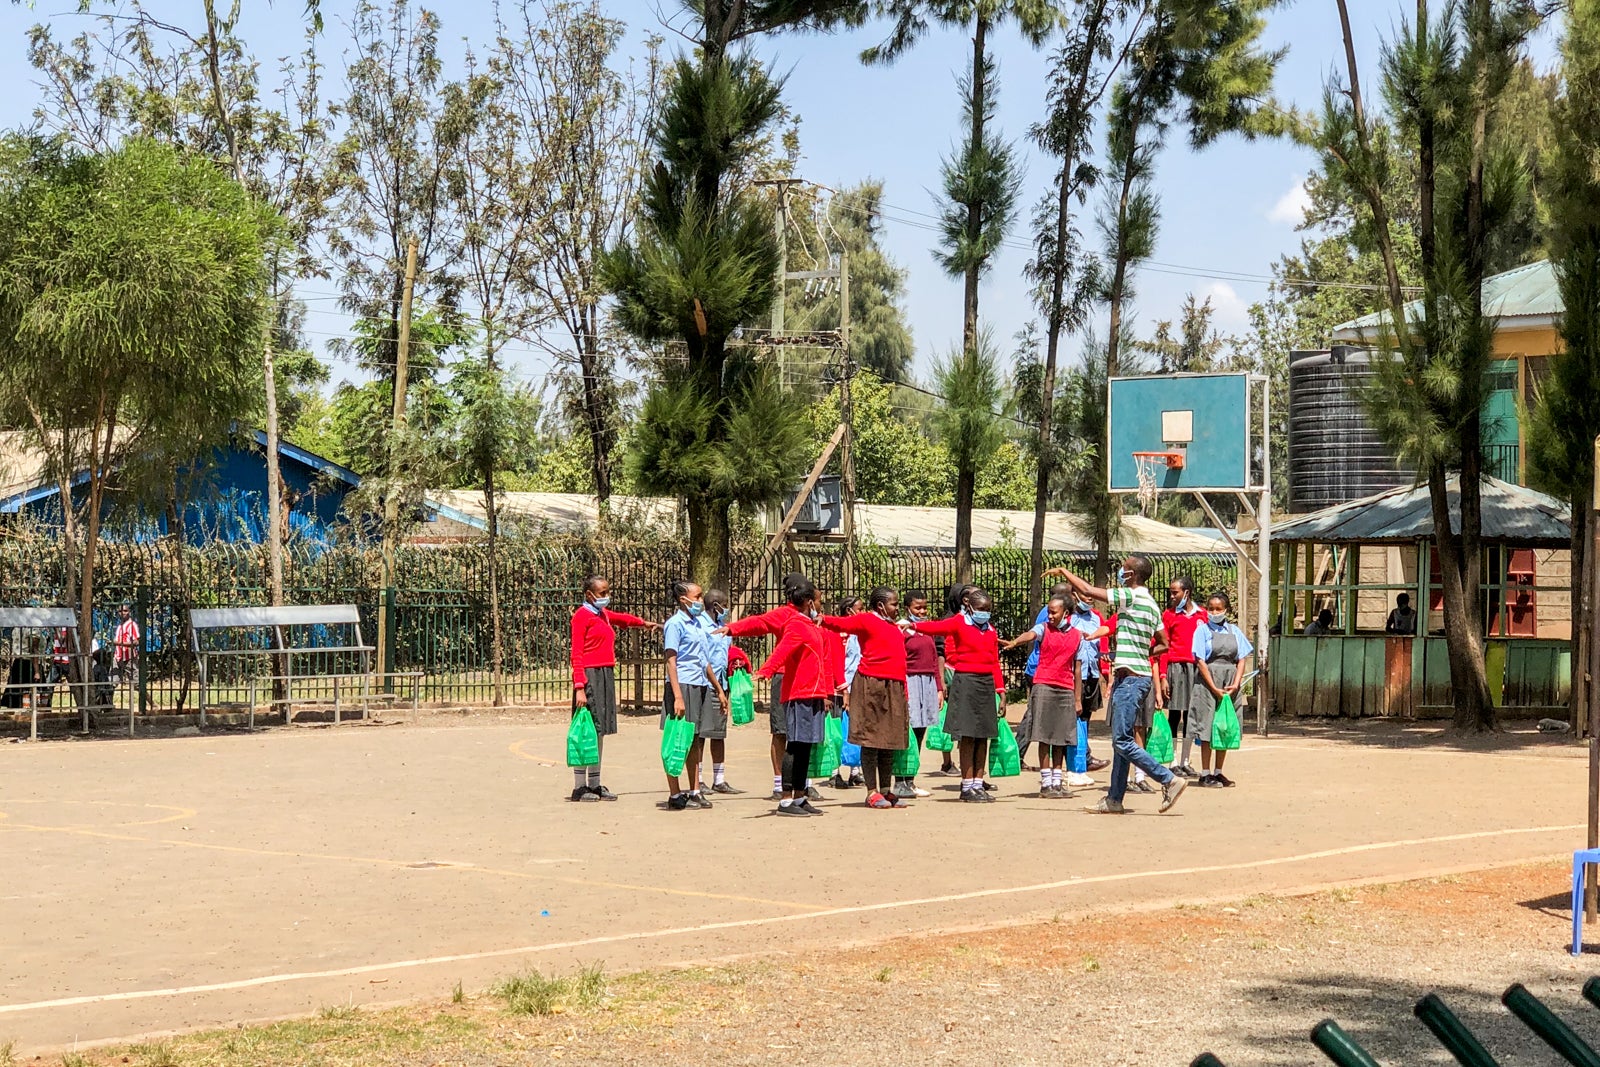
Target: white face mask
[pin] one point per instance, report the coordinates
(1217, 617)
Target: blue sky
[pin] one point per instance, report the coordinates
(1227, 212)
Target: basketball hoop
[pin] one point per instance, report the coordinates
(1149, 464)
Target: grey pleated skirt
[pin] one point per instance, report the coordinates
(600, 688)
(971, 710)
(1055, 715)
(702, 708)
(922, 700)
(804, 719)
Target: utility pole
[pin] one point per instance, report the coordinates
(391, 498)
(847, 464)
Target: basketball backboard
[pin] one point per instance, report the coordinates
(1197, 432)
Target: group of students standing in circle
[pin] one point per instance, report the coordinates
(899, 674)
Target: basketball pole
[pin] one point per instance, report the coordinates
(1264, 565)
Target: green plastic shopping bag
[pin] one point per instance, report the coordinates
(1005, 759)
(676, 737)
(936, 738)
(1225, 731)
(908, 761)
(1159, 744)
(825, 756)
(741, 698)
(583, 744)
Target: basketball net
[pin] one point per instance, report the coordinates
(1149, 487)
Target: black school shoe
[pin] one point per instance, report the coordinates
(813, 794)
(602, 792)
(697, 800)
(838, 782)
(678, 802)
(582, 793)
(974, 796)
(726, 790)
(805, 806)
(793, 811)
(1209, 781)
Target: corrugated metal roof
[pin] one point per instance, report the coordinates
(1524, 297)
(1511, 513)
(903, 527)
(936, 528)
(556, 512)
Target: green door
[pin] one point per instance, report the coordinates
(1500, 431)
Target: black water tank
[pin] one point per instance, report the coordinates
(1334, 453)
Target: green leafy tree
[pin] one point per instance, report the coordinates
(1566, 420)
(1095, 42)
(1443, 78)
(131, 312)
(970, 383)
(592, 123)
(716, 428)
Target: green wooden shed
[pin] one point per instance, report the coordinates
(1356, 559)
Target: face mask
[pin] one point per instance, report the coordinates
(981, 618)
(1083, 609)
(1217, 617)
(1181, 603)
(601, 602)
(721, 615)
(1122, 576)
(814, 614)
(917, 616)
(695, 610)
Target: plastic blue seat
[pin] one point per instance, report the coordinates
(1580, 859)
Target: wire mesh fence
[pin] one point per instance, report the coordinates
(439, 607)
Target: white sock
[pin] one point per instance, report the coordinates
(1044, 778)
(777, 783)
(594, 776)
(1138, 775)
(716, 773)
(1055, 776)
(580, 777)
(785, 802)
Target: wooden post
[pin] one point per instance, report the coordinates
(1264, 546)
(847, 466)
(788, 520)
(1591, 892)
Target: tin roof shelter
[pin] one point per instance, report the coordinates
(1356, 559)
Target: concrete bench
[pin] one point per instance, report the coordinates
(285, 629)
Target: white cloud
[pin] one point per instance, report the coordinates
(1230, 312)
(1290, 210)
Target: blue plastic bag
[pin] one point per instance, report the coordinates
(849, 755)
(1080, 751)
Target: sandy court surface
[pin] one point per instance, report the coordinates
(167, 884)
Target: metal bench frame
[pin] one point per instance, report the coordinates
(278, 621)
(48, 621)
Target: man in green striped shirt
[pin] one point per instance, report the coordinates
(1140, 638)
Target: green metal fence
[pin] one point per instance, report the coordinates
(439, 606)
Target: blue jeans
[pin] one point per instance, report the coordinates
(1127, 696)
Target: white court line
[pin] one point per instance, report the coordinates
(734, 924)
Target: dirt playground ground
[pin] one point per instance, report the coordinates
(166, 885)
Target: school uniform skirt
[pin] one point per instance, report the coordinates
(879, 717)
(1055, 715)
(922, 700)
(804, 719)
(701, 707)
(970, 707)
(600, 689)
(1182, 680)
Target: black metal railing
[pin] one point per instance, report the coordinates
(1503, 462)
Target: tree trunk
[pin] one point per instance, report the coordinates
(177, 532)
(602, 438)
(1463, 631)
(708, 542)
(969, 302)
(496, 647)
(966, 489)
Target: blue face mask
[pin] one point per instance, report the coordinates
(1182, 604)
(602, 602)
(1217, 617)
(1122, 576)
(1083, 609)
(980, 618)
(696, 609)
(721, 615)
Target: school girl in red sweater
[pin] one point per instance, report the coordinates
(1053, 700)
(594, 676)
(972, 652)
(879, 721)
(764, 625)
(808, 683)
